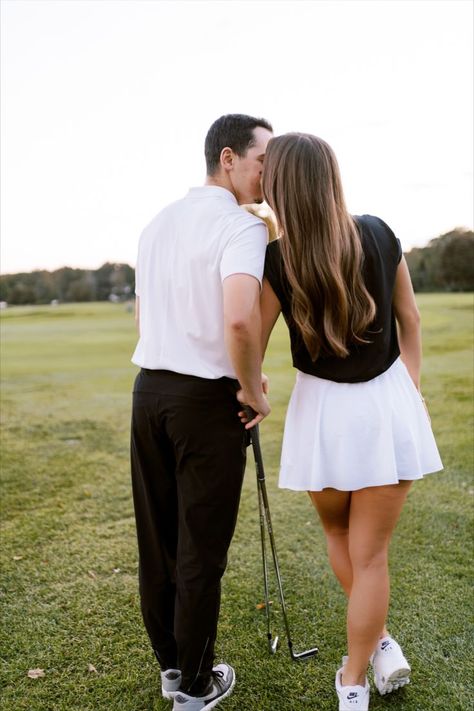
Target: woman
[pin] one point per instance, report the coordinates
(357, 432)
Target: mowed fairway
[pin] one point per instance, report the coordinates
(69, 560)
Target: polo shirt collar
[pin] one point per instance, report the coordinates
(205, 191)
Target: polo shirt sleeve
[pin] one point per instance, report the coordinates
(245, 252)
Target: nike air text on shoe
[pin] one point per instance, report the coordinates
(391, 669)
(352, 698)
(170, 683)
(221, 685)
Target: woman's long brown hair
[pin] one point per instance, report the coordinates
(320, 244)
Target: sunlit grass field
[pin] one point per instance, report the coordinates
(69, 560)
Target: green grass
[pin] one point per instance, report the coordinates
(68, 519)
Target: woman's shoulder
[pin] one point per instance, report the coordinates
(375, 230)
(373, 223)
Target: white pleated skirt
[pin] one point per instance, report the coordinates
(349, 436)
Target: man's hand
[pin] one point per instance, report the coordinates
(259, 406)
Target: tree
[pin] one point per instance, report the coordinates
(457, 262)
(67, 284)
(445, 264)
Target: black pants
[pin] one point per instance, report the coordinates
(188, 451)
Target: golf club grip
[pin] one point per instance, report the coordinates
(255, 437)
(249, 413)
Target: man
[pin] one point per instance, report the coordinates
(198, 278)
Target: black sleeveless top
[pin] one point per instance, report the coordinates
(382, 254)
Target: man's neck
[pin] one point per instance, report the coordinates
(220, 181)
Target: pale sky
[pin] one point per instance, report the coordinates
(106, 103)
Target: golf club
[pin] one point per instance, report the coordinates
(265, 520)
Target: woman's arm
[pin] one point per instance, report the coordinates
(408, 320)
(270, 308)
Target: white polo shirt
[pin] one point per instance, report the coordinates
(184, 255)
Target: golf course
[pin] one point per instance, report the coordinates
(72, 637)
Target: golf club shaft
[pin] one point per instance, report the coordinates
(265, 571)
(263, 498)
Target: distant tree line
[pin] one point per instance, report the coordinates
(114, 282)
(445, 264)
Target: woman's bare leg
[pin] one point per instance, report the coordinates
(374, 513)
(358, 528)
(333, 508)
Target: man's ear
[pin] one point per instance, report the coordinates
(227, 158)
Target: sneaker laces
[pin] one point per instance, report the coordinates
(218, 677)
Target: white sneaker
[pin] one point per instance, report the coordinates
(351, 698)
(170, 683)
(391, 669)
(223, 680)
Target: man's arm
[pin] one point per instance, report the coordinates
(242, 334)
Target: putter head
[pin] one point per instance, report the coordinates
(303, 655)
